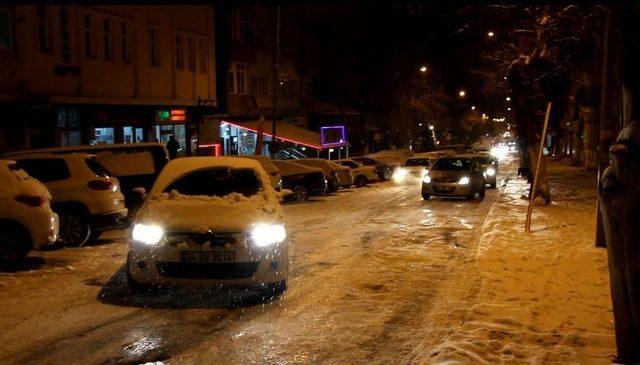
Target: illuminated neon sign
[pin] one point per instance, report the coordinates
(333, 136)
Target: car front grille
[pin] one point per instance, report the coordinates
(219, 271)
(214, 239)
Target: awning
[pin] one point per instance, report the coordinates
(284, 131)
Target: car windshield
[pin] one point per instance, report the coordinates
(218, 181)
(453, 164)
(417, 162)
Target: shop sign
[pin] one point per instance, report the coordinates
(178, 115)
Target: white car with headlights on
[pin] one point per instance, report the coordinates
(210, 221)
(456, 176)
(412, 171)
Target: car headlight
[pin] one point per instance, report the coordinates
(399, 174)
(147, 234)
(426, 179)
(463, 181)
(264, 234)
(490, 171)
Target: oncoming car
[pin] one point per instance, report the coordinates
(210, 221)
(457, 176)
(412, 170)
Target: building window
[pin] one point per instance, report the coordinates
(44, 43)
(108, 47)
(237, 78)
(202, 55)
(307, 89)
(242, 27)
(154, 47)
(259, 84)
(6, 34)
(89, 50)
(191, 49)
(180, 51)
(125, 42)
(287, 88)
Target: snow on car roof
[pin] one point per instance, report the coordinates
(85, 148)
(290, 167)
(68, 156)
(181, 166)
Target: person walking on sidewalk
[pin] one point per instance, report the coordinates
(620, 208)
(173, 146)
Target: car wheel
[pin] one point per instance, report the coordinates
(426, 196)
(14, 244)
(74, 229)
(361, 181)
(300, 193)
(471, 197)
(95, 235)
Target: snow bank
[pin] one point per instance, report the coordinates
(544, 296)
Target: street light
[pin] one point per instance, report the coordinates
(491, 34)
(509, 109)
(431, 127)
(473, 107)
(423, 69)
(462, 93)
(508, 99)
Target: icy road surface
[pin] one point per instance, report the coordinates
(377, 275)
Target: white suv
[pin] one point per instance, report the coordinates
(85, 195)
(361, 174)
(26, 218)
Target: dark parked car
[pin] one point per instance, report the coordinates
(302, 180)
(456, 175)
(382, 170)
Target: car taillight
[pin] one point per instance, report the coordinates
(102, 185)
(31, 200)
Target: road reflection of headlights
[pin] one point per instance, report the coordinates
(490, 171)
(400, 174)
(463, 181)
(147, 234)
(264, 234)
(426, 179)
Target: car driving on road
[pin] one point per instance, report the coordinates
(210, 221)
(412, 170)
(456, 176)
(490, 166)
(26, 218)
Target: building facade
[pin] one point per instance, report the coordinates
(104, 74)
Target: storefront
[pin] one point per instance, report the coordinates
(171, 122)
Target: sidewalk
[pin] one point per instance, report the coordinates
(544, 297)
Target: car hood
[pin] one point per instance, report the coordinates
(234, 213)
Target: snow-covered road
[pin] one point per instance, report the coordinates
(377, 275)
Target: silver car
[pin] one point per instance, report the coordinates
(456, 176)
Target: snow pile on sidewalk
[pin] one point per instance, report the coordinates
(544, 296)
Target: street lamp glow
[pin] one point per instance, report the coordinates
(423, 69)
(508, 98)
(491, 34)
(462, 93)
(473, 107)
(509, 109)
(419, 124)
(431, 127)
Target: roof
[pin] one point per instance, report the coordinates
(286, 132)
(97, 147)
(181, 166)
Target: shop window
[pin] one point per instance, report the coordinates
(179, 51)
(154, 47)
(191, 49)
(6, 29)
(89, 50)
(237, 78)
(132, 134)
(69, 127)
(125, 42)
(202, 55)
(103, 136)
(106, 35)
(44, 42)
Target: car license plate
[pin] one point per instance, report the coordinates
(207, 257)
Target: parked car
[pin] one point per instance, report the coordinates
(382, 170)
(134, 164)
(392, 158)
(275, 177)
(86, 195)
(490, 166)
(412, 170)
(457, 175)
(458, 148)
(210, 221)
(26, 219)
(302, 180)
(337, 176)
(361, 175)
